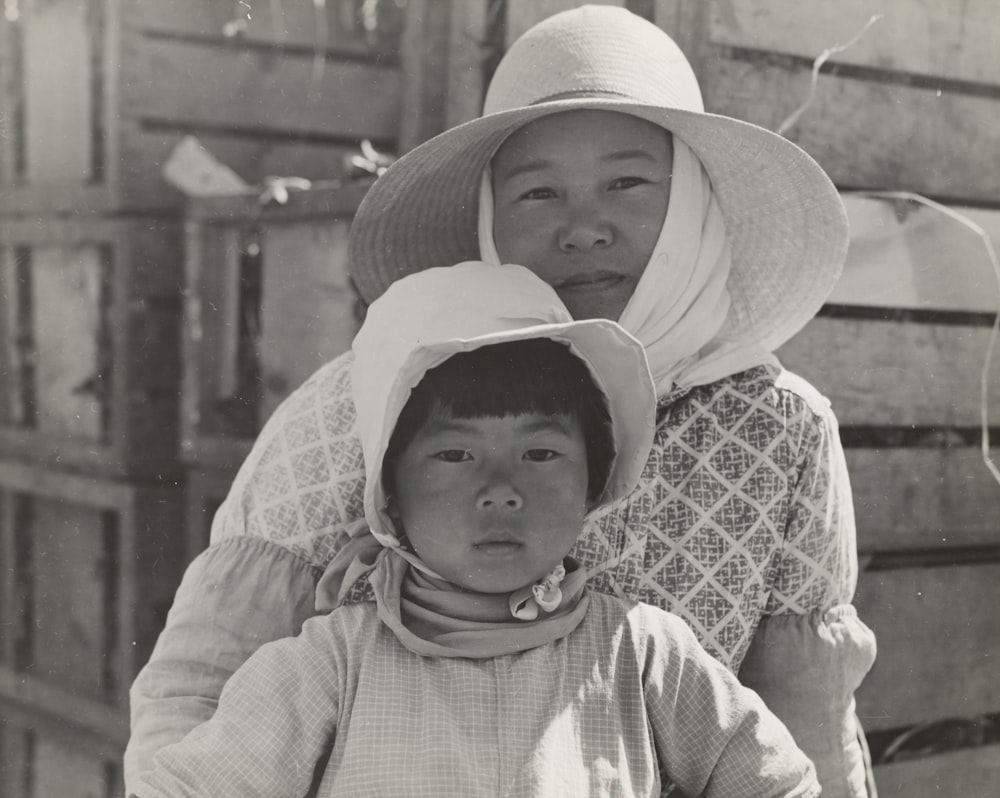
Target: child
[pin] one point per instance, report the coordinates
(491, 424)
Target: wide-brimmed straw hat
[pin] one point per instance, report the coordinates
(784, 219)
(422, 321)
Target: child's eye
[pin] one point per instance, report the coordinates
(540, 455)
(453, 455)
(628, 182)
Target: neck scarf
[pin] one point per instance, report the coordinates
(681, 301)
(433, 617)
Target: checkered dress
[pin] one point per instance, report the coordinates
(627, 696)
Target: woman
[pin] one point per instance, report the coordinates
(710, 240)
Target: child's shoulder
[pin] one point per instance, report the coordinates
(644, 622)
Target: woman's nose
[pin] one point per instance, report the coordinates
(584, 229)
(499, 494)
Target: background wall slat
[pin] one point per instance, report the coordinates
(937, 647)
(308, 315)
(256, 90)
(894, 372)
(902, 127)
(911, 498)
(972, 772)
(933, 37)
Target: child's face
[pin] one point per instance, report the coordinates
(580, 198)
(492, 504)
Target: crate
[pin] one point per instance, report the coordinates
(900, 351)
(101, 91)
(89, 344)
(204, 491)
(50, 760)
(909, 105)
(268, 300)
(90, 569)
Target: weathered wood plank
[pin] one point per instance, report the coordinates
(204, 491)
(304, 283)
(99, 560)
(69, 563)
(911, 498)
(57, 93)
(301, 23)
(894, 372)
(923, 260)
(939, 639)
(931, 37)
(256, 90)
(62, 770)
(914, 139)
(67, 342)
(465, 86)
(424, 71)
(60, 713)
(308, 315)
(102, 372)
(970, 772)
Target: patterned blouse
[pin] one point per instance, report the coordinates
(744, 511)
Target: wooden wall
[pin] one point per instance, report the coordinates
(901, 345)
(98, 431)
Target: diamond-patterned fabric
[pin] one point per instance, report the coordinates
(744, 508)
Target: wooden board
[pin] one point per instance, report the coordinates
(42, 759)
(924, 498)
(940, 129)
(896, 373)
(905, 255)
(57, 92)
(100, 375)
(309, 313)
(302, 260)
(254, 90)
(938, 639)
(95, 564)
(937, 39)
(307, 24)
(204, 491)
(971, 772)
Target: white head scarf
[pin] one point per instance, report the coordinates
(681, 301)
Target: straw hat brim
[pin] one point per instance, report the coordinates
(786, 224)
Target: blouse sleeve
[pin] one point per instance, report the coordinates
(236, 596)
(818, 564)
(713, 737)
(811, 651)
(806, 669)
(293, 503)
(275, 721)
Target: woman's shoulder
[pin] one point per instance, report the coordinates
(767, 390)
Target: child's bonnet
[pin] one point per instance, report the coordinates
(420, 322)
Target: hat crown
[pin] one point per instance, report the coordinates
(561, 57)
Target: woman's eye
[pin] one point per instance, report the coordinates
(540, 455)
(537, 194)
(453, 455)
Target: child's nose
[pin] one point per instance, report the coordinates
(499, 494)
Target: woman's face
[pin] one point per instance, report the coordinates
(580, 198)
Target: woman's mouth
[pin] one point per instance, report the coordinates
(590, 281)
